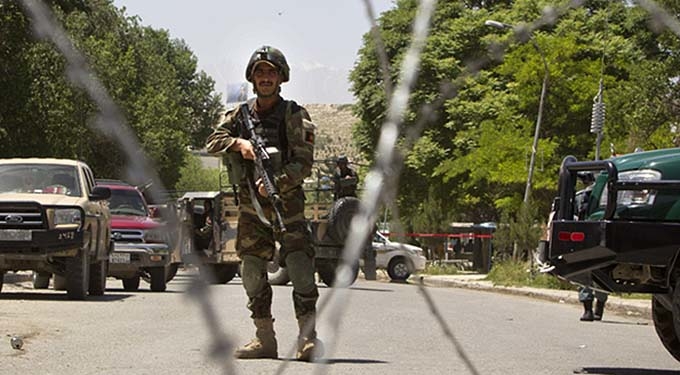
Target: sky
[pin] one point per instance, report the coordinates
(320, 38)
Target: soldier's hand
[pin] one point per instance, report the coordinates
(260, 188)
(245, 148)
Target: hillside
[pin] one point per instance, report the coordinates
(334, 131)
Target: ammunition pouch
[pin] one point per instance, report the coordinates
(276, 159)
(235, 168)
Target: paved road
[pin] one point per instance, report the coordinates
(387, 328)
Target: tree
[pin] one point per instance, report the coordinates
(195, 177)
(151, 77)
(476, 150)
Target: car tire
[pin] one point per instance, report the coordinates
(157, 279)
(78, 275)
(279, 276)
(172, 272)
(2, 279)
(665, 326)
(224, 273)
(327, 273)
(59, 282)
(98, 272)
(399, 269)
(131, 284)
(41, 280)
(340, 218)
(276, 274)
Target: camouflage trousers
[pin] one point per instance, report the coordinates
(255, 244)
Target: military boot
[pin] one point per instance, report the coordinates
(599, 310)
(309, 348)
(588, 311)
(263, 345)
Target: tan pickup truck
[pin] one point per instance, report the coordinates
(54, 221)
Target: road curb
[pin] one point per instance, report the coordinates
(635, 308)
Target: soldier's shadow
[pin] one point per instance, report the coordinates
(332, 361)
(623, 371)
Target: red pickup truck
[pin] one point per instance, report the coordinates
(141, 243)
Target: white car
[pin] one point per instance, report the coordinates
(400, 260)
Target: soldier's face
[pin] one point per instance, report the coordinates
(267, 80)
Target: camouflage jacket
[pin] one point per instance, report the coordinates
(300, 149)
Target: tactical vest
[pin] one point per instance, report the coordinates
(272, 129)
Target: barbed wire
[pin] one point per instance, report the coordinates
(381, 181)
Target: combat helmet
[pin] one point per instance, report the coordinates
(272, 55)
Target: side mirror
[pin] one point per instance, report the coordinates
(100, 193)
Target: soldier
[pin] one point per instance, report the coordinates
(345, 179)
(204, 227)
(287, 126)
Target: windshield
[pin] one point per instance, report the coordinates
(40, 179)
(127, 202)
(379, 237)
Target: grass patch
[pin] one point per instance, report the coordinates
(512, 273)
(440, 269)
(633, 295)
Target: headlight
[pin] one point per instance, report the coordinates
(67, 218)
(634, 197)
(159, 235)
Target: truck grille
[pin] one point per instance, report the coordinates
(22, 216)
(127, 235)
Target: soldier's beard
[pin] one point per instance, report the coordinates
(263, 95)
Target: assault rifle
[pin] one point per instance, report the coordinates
(263, 167)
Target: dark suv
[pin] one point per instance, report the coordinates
(141, 242)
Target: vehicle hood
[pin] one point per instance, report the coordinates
(133, 222)
(667, 161)
(397, 246)
(43, 199)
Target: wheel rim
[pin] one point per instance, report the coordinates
(401, 270)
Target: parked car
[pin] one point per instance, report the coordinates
(399, 259)
(141, 243)
(53, 220)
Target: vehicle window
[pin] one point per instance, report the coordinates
(127, 202)
(377, 237)
(89, 178)
(40, 179)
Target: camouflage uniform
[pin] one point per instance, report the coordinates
(256, 241)
(345, 181)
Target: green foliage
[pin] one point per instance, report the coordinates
(517, 234)
(513, 273)
(195, 177)
(167, 104)
(471, 161)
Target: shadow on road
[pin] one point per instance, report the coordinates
(58, 296)
(625, 323)
(371, 289)
(623, 371)
(332, 361)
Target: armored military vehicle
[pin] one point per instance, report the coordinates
(329, 224)
(622, 234)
